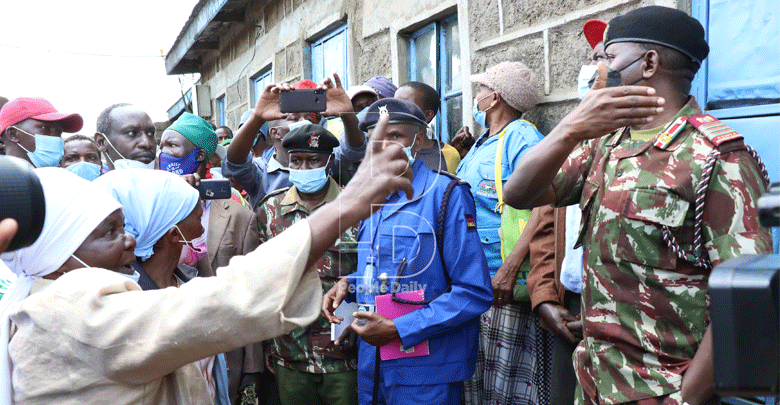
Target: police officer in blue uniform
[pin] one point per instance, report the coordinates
(428, 243)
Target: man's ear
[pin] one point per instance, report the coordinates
(429, 114)
(201, 155)
(651, 63)
(11, 134)
(100, 140)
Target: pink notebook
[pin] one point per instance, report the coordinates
(386, 307)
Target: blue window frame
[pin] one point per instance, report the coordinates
(739, 82)
(259, 81)
(434, 59)
(329, 54)
(221, 110)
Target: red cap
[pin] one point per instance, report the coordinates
(305, 84)
(22, 108)
(594, 31)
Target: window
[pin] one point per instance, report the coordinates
(434, 59)
(329, 54)
(221, 110)
(259, 82)
(739, 82)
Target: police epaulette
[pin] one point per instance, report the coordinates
(715, 130)
(273, 193)
(451, 176)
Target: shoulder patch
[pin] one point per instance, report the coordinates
(271, 194)
(451, 176)
(712, 128)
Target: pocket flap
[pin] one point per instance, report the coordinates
(657, 206)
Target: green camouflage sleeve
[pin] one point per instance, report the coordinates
(731, 225)
(571, 177)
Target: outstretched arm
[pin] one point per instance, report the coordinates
(602, 111)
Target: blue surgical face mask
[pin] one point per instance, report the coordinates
(361, 116)
(48, 149)
(408, 150)
(300, 123)
(85, 170)
(480, 117)
(311, 180)
(135, 276)
(583, 85)
(183, 165)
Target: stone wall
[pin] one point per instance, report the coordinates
(546, 36)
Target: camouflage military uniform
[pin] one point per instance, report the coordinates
(310, 349)
(644, 306)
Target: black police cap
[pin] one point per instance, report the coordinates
(310, 138)
(660, 25)
(400, 111)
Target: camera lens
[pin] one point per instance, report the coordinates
(21, 198)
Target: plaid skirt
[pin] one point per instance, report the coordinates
(514, 358)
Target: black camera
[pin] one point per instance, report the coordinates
(21, 198)
(744, 307)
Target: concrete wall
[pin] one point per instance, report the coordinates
(546, 36)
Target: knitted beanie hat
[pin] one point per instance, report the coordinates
(514, 81)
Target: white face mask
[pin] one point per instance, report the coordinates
(132, 164)
(586, 73)
(125, 163)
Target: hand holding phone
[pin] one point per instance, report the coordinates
(302, 100)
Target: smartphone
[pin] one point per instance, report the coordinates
(21, 198)
(302, 100)
(214, 189)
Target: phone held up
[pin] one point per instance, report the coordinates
(214, 189)
(302, 100)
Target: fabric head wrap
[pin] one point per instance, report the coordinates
(74, 208)
(153, 200)
(198, 131)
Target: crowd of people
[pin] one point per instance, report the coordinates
(358, 260)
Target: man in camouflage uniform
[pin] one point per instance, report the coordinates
(664, 199)
(309, 368)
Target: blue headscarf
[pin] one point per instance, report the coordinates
(153, 201)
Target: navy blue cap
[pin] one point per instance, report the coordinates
(400, 111)
(310, 138)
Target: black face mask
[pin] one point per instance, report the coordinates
(613, 76)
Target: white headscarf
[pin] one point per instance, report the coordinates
(153, 200)
(74, 208)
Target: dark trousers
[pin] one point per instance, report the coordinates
(563, 381)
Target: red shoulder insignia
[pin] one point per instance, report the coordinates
(715, 130)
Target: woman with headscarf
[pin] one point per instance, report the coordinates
(163, 214)
(508, 367)
(81, 335)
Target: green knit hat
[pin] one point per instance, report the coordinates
(198, 131)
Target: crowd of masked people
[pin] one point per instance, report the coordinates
(358, 259)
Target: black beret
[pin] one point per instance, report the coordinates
(310, 138)
(660, 25)
(400, 111)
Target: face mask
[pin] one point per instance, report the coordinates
(361, 116)
(120, 164)
(216, 172)
(583, 80)
(48, 149)
(125, 163)
(408, 151)
(184, 165)
(193, 250)
(309, 181)
(297, 124)
(613, 76)
(480, 117)
(85, 170)
(135, 276)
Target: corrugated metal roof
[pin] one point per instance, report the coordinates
(209, 20)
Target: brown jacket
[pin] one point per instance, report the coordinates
(548, 245)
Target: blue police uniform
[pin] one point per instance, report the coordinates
(478, 169)
(406, 229)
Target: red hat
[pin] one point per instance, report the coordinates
(594, 31)
(22, 108)
(305, 84)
